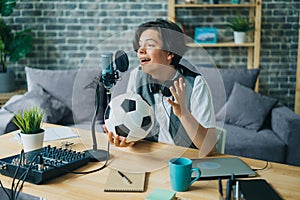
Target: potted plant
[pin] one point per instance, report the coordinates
(240, 26)
(29, 122)
(14, 45)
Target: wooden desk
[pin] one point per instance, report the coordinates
(285, 179)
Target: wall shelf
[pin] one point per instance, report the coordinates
(221, 44)
(254, 7)
(214, 5)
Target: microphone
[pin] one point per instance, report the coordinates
(109, 75)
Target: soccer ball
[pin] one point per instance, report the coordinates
(128, 115)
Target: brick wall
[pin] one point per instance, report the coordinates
(66, 31)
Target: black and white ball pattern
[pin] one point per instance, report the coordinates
(128, 115)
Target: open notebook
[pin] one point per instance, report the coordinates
(117, 183)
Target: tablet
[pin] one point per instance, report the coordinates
(214, 168)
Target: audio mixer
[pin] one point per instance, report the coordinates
(42, 164)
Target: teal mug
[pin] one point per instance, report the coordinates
(181, 174)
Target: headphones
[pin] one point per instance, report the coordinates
(155, 87)
(164, 88)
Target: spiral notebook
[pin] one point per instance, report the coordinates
(124, 182)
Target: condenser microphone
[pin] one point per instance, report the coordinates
(109, 76)
(108, 73)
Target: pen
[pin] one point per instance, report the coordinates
(125, 178)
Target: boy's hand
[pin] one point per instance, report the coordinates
(117, 140)
(178, 92)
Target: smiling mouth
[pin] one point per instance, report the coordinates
(144, 61)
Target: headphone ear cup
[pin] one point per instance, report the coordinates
(154, 88)
(165, 88)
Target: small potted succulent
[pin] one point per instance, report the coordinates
(29, 122)
(240, 26)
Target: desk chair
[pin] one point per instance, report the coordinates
(221, 138)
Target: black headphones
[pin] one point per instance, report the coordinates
(155, 87)
(164, 88)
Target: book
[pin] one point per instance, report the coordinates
(258, 189)
(118, 181)
(159, 194)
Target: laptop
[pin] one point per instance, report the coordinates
(214, 168)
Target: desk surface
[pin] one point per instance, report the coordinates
(285, 179)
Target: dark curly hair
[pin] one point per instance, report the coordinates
(171, 35)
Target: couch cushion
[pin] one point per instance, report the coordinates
(221, 82)
(264, 144)
(58, 83)
(246, 108)
(246, 77)
(53, 108)
(68, 86)
(5, 120)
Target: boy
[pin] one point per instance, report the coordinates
(181, 98)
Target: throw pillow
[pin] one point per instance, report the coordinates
(221, 82)
(68, 86)
(246, 77)
(53, 108)
(246, 108)
(58, 83)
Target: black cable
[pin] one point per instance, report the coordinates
(14, 191)
(16, 173)
(3, 188)
(265, 167)
(74, 172)
(171, 123)
(25, 174)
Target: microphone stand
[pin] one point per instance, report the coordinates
(96, 154)
(108, 79)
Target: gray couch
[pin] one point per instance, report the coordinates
(62, 94)
(257, 126)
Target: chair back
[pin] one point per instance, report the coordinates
(221, 139)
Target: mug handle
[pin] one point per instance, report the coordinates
(198, 175)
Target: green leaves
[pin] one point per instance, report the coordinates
(20, 45)
(7, 7)
(17, 44)
(240, 24)
(29, 121)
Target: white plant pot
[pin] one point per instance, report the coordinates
(239, 37)
(32, 141)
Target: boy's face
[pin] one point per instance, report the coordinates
(153, 58)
